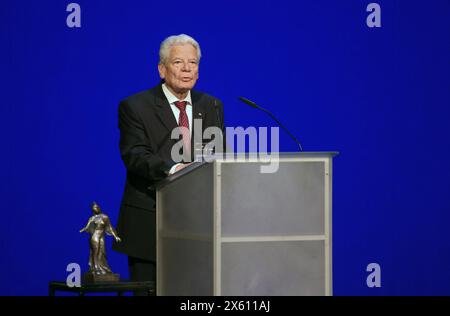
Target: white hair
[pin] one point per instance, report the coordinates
(174, 40)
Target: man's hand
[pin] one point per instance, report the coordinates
(178, 167)
(182, 166)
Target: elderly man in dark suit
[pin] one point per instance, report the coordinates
(146, 121)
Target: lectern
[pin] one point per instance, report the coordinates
(224, 227)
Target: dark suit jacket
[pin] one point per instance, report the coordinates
(146, 122)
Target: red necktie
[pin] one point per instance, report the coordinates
(183, 121)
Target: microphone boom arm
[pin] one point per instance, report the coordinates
(253, 104)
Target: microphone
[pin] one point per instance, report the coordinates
(220, 124)
(219, 120)
(254, 105)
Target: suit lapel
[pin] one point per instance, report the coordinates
(164, 112)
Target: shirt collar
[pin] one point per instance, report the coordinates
(171, 98)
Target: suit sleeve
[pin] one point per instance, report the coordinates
(136, 149)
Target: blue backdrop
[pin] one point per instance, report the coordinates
(379, 96)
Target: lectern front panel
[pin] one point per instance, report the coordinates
(273, 268)
(288, 202)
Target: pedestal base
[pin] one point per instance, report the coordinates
(98, 278)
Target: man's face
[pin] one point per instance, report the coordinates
(180, 70)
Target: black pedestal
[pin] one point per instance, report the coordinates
(118, 287)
